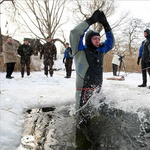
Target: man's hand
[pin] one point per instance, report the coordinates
(102, 19)
(15, 54)
(94, 18)
(138, 61)
(63, 60)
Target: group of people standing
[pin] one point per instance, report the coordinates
(25, 51)
(50, 54)
(10, 57)
(88, 58)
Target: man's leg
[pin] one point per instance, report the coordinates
(115, 69)
(22, 68)
(66, 66)
(12, 68)
(8, 70)
(28, 67)
(69, 68)
(144, 76)
(51, 63)
(45, 67)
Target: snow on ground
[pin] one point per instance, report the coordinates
(35, 91)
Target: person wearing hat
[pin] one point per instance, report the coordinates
(49, 51)
(25, 51)
(9, 53)
(89, 57)
(144, 55)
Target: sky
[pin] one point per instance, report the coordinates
(35, 91)
(137, 8)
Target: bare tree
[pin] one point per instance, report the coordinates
(41, 18)
(5, 1)
(132, 33)
(0, 25)
(147, 25)
(84, 9)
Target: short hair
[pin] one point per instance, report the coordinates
(67, 43)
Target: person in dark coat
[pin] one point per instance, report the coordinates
(144, 56)
(25, 51)
(89, 57)
(67, 60)
(49, 51)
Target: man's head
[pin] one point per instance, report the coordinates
(10, 39)
(147, 33)
(92, 39)
(25, 41)
(67, 45)
(48, 39)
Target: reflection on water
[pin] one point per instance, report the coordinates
(108, 129)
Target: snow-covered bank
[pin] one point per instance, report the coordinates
(20, 94)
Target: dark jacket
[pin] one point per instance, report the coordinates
(68, 53)
(25, 51)
(49, 51)
(144, 51)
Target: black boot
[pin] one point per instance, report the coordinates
(9, 77)
(142, 85)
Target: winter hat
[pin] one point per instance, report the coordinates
(88, 37)
(148, 33)
(47, 37)
(25, 39)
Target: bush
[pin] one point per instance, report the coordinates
(130, 63)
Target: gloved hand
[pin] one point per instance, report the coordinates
(94, 18)
(63, 60)
(102, 19)
(138, 61)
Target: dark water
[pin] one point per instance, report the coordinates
(114, 129)
(108, 129)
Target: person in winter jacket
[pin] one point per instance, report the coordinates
(49, 51)
(25, 51)
(89, 57)
(144, 56)
(115, 63)
(9, 53)
(67, 60)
